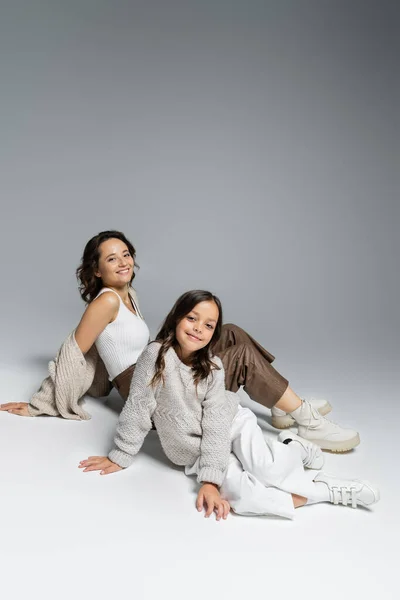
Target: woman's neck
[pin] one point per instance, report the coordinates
(123, 292)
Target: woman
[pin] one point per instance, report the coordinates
(112, 329)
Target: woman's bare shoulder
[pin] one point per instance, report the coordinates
(107, 302)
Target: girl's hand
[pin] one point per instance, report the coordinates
(209, 495)
(16, 408)
(99, 463)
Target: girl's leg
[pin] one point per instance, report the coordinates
(298, 501)
(279, 465)
(271, 462)
(248, 496)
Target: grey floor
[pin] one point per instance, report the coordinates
(66, 534)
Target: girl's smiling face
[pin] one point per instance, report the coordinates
(115, 265)
(196, 328)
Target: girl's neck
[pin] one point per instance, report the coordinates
(186, 359)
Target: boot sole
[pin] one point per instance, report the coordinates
(285, 421)
(337, 447)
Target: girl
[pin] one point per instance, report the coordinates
(112, 329)
(179, 385)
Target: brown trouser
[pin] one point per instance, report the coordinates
(123, 381)
(246, 364)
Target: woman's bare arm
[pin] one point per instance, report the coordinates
(95, 319)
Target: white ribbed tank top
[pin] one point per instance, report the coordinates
(121, 343)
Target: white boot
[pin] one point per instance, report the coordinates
(311, 454)
(327, 435)
(346, 491)
(282, 420)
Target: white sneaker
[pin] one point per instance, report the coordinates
(282, 420)
(327, 435)
(311, 453)
(346, 491)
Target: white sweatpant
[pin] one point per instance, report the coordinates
(262, 474)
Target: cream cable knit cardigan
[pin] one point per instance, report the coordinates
(71, 376)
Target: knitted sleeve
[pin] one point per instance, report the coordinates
(219, 408)
(135, 419)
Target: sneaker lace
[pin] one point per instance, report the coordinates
(344, 495)
(314, 414)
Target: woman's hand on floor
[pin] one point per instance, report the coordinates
(99, 463)
(16, 408)
(210, 498)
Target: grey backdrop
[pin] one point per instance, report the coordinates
(245, 147)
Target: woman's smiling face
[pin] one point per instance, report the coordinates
(115, 266)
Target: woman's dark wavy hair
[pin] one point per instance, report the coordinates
(89, 284)
(202, 360)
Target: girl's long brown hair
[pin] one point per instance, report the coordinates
(89, 284)
(202, 364)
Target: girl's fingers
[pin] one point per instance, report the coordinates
(110, 469)
(210, 507)
(227, 509)
(11, 405)
(200, 502)
(220, 511)
(93, 467)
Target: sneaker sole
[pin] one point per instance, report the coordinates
(374, 491)
(337, 447)
(285, 421)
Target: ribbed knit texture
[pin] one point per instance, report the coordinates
(72, 375)
(190, 423)
(121, 343)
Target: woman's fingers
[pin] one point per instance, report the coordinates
(13, 405)
(227, 508)
(16, 408)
